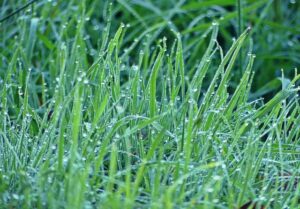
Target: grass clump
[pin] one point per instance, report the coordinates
(142, 132)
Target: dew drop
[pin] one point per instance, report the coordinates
(215, 23)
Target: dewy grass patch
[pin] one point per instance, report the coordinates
(140, 132)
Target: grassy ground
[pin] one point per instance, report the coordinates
(154, 112)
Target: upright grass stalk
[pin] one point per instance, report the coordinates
(157, 130)
(239, 16)
(240, 29)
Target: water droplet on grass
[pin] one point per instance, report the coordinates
(215, 200)
(209, 190)
(15, 196)
(215, 23)
(135, 67)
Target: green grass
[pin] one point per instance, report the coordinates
(99, 114)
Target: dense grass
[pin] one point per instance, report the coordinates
(274, 36)
(101, 114)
